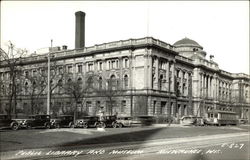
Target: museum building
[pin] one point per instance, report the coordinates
(154, 78)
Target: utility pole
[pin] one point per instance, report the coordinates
(48, 93)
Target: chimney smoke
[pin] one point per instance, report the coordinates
(80, 30)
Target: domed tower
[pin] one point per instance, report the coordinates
(189, 48)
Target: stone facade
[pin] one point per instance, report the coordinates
(156, 78)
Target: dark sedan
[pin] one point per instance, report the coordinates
(62, 121)
(7, 122)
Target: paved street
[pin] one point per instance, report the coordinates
(161, 142)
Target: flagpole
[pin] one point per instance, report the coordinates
(48, 92)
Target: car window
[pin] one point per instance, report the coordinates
(70, 118)
(2, 117)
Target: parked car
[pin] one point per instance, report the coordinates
(39, 120)
(199, 121)
(243, 121)
(22, 123)
(187, 120)
(142, 120)
(87, 121)
(107, 121)
(7, 122)
(62, 121)
(125, 121)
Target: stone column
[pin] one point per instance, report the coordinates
(181, 81)
(167, 75)
(187, 83)
(212, 87)
(131, 76)
(209, 86)
(146, 70)
(172, 77)
(156, 73)
(150, 69)
(202, 84)
(120, 65)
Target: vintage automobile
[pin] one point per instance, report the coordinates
(142, 120)
(22, 123)
(39, 120)
(187, 120)
(107, 121)
(62, 121)
(125, 121)
(7, 122)
(87, 121)
(243, 121)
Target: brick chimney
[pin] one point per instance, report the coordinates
(80, 30)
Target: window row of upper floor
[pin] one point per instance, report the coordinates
(109, 64)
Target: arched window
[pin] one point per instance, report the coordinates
(59, 83)
(125, 81)
(3, 88)
(90, 82)
(26, 87)
(100, 83)
(79, 80)
(34, 87)
(34, 83)
(112, 82)
(160, 82)
(69, 80)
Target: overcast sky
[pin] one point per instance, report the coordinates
(222, 28)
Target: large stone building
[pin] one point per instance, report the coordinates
(156, 78)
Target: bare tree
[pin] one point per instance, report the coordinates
(11, 60)
(78, 91)
(35, 84)
(110, 91)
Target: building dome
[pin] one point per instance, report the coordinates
(186, 42)
(188, 47)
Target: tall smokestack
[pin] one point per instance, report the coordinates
(80, 30)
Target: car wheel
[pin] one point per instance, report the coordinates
(28, 126)
(120, 125)
(57, 126)
(47, 125)
(14, 126)
(71, 125)
(85, 125)
(114, 125)
(103, 125)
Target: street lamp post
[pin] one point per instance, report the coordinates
(48, 93)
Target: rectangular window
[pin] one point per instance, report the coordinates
(163, 105)
(154, 107)
(90, 67)
(126, 63)
(123, 106)
(26, 73)
(34, 73)
(70, 69)
(100, 66)
(43, 71)
(98, 104)
(79, 68)
(88, 105)
(60, 69)
(113, 64)
(108, 65)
